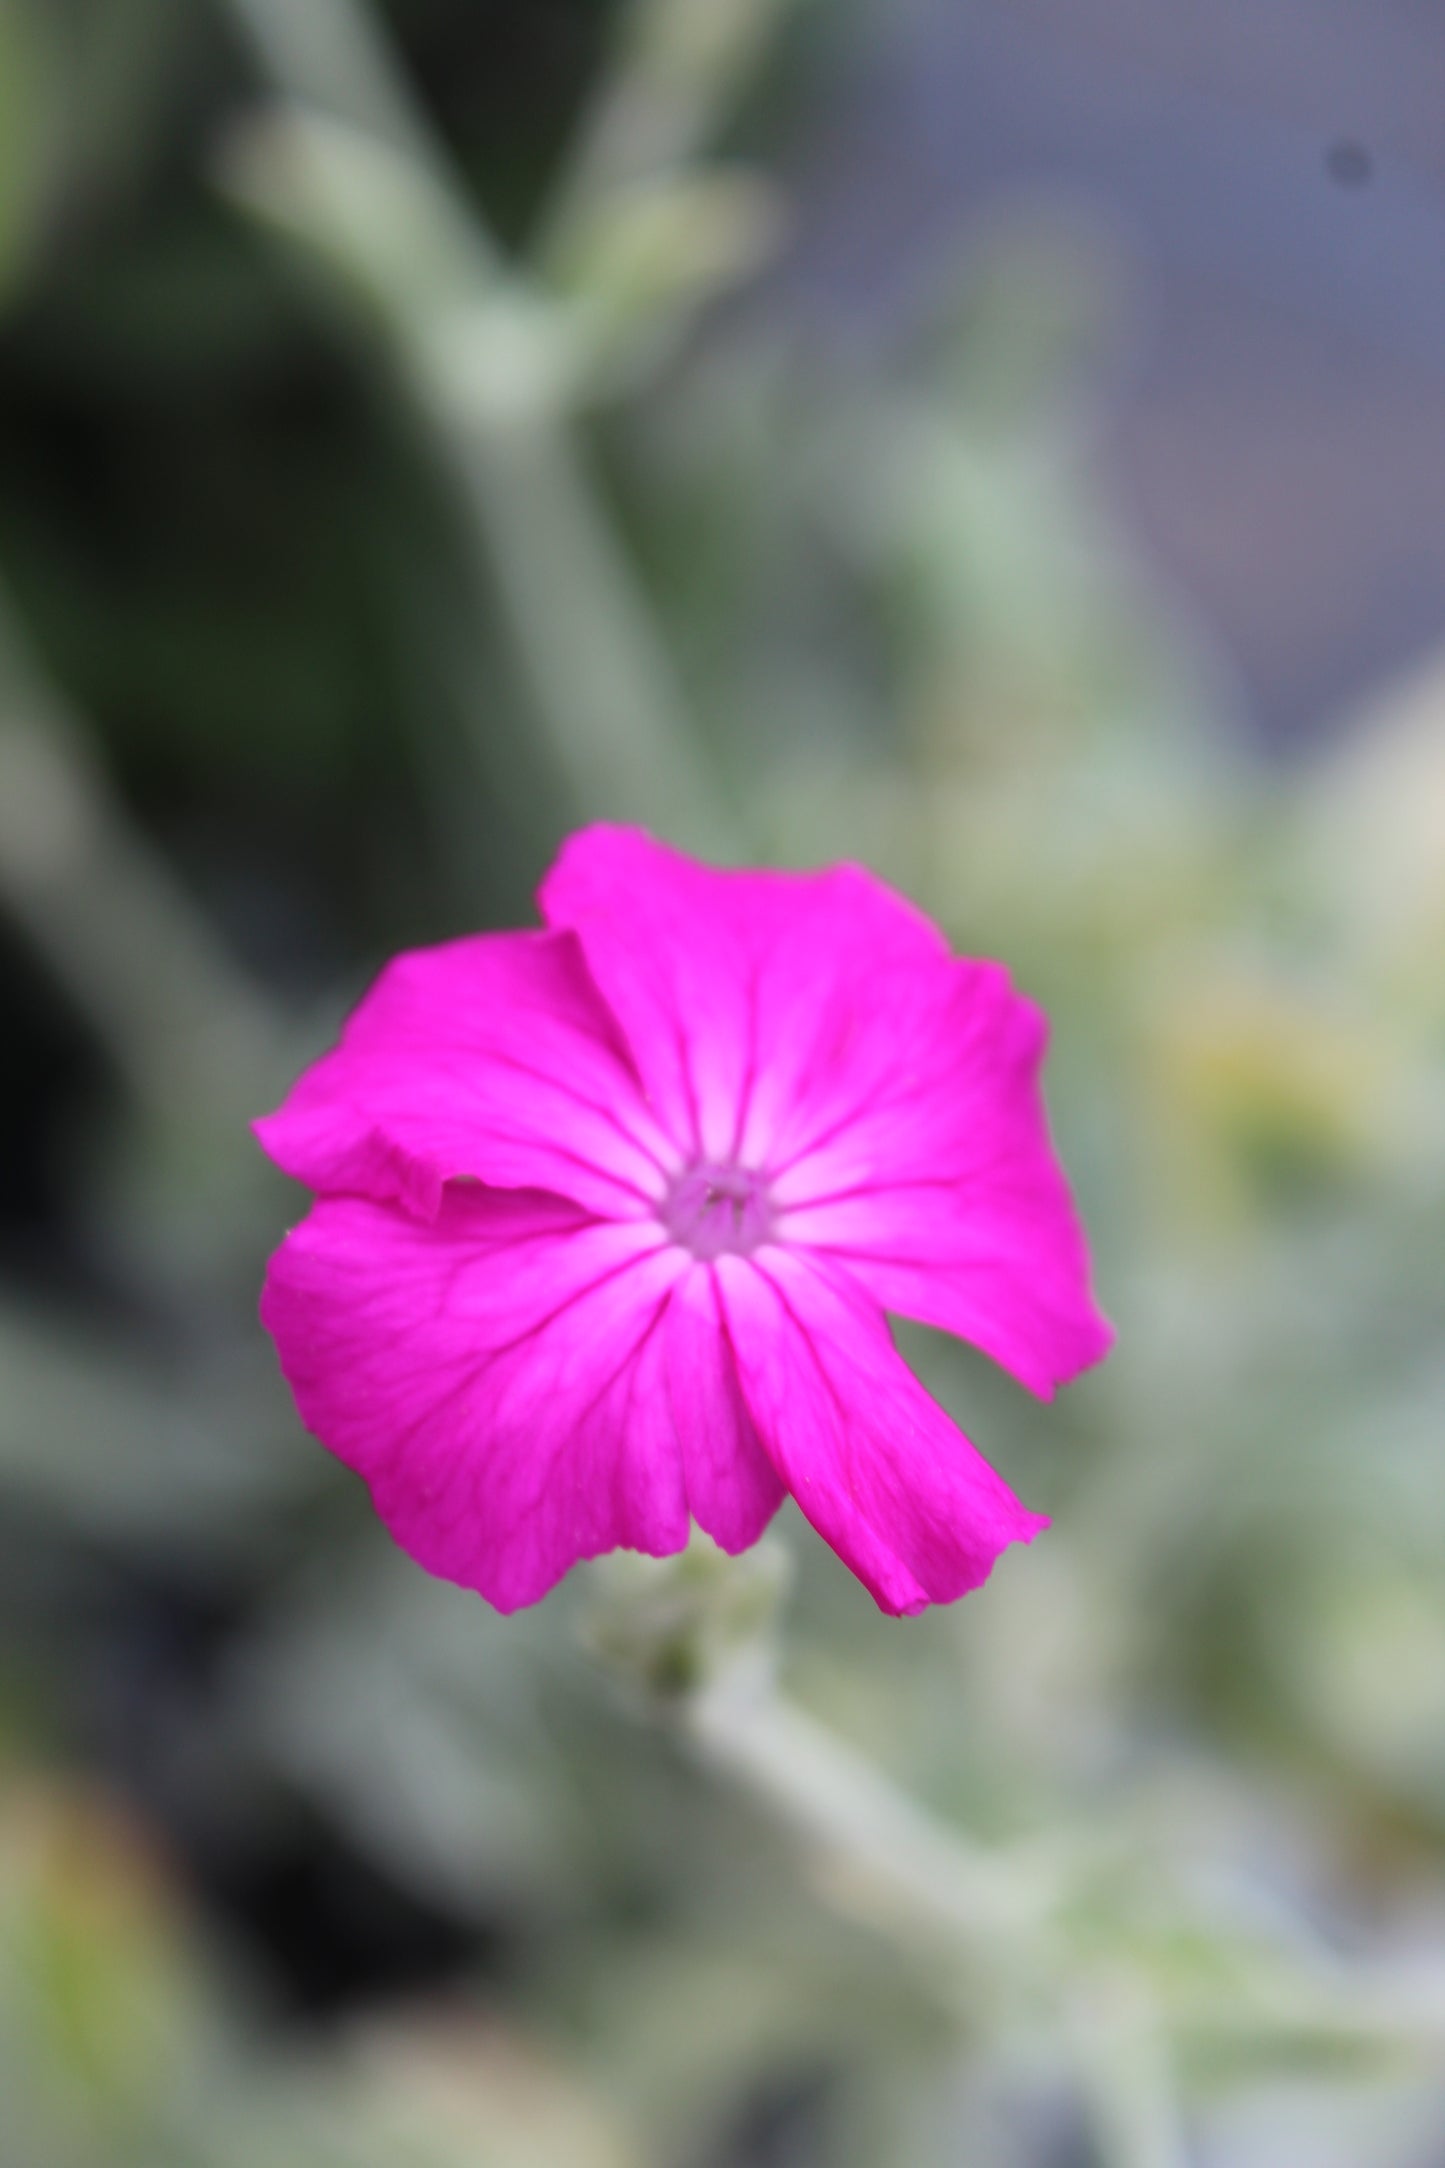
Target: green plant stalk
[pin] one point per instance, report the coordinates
(605, 691)
(1125, 2078)
(679, 64)
(325, 55)
(597, 671)
(185, 1029)
(934, 1892)
(936, 1881)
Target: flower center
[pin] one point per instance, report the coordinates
(718, 1212)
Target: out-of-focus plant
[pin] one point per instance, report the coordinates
(1157, 1817)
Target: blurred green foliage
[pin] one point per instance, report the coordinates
(381, 492)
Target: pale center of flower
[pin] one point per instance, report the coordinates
(718, 1211)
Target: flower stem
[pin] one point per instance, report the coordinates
(937, 1881)
(185, 1029)
(480, 345)
(1125, 2078)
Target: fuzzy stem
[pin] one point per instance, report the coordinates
(183, 1026)
(937, 1878)
(605, 692)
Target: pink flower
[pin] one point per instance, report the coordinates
(610, 1214)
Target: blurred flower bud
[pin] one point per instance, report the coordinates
(667, 1627)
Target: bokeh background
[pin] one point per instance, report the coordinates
(1001, 440)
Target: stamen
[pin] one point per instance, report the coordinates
(718, 1211)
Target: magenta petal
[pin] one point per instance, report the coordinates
(934, 1180)
(491, 1057)
(734, 991)
(497, 1374)
(733, 1489)
(875, 1464)
(816, 1028)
